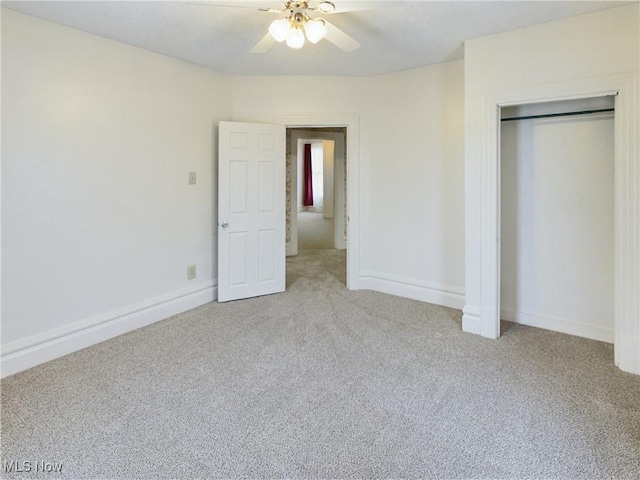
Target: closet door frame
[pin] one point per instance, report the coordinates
(626, 200)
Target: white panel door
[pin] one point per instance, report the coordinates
(251, 210)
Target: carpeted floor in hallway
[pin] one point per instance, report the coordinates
(314, 231)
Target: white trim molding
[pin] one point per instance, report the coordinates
(31, 351)
(557, 325)
(352, 123)
(471, 320)
(438, 294)
(626, 200)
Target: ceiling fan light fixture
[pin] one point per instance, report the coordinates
(295, 38)
(280, 30)
(315, 30)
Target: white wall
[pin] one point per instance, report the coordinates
(327, 153)
(317, 176)
(553, 57)
(99, 223)
(557, 223)
(410, 168)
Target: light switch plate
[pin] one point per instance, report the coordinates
(192, 178)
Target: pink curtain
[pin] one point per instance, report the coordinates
(307, 194)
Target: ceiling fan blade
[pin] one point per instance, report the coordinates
(353, 6)
(207, 4)
(233, 5)
(264, 44)
(339, 38)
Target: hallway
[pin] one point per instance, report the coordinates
(315, 232)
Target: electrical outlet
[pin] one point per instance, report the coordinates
(191, 272)
(192, 178)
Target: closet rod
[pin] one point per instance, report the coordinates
(584, 112)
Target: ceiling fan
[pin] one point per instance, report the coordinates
(299, 23)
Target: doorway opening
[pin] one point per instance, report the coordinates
(350, 124)
(481, 314)
(316, 196)
(316, 189)
(556, 216)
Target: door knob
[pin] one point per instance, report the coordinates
(224, 224)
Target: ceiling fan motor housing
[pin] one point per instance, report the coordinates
(293, 6)
(298, 19)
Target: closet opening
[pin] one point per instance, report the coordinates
(556, 216)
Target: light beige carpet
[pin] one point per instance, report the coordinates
(322, 382)
(314, 231)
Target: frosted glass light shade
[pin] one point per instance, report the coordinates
(280, 29)
(315, 30)
(295, 38)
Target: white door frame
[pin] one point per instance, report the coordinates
(351, 122)
(626, 201)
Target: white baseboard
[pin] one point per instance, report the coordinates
(471, 322)
(558, 325)
(437, 294)
(40, 348)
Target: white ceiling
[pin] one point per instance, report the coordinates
(395, 35)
